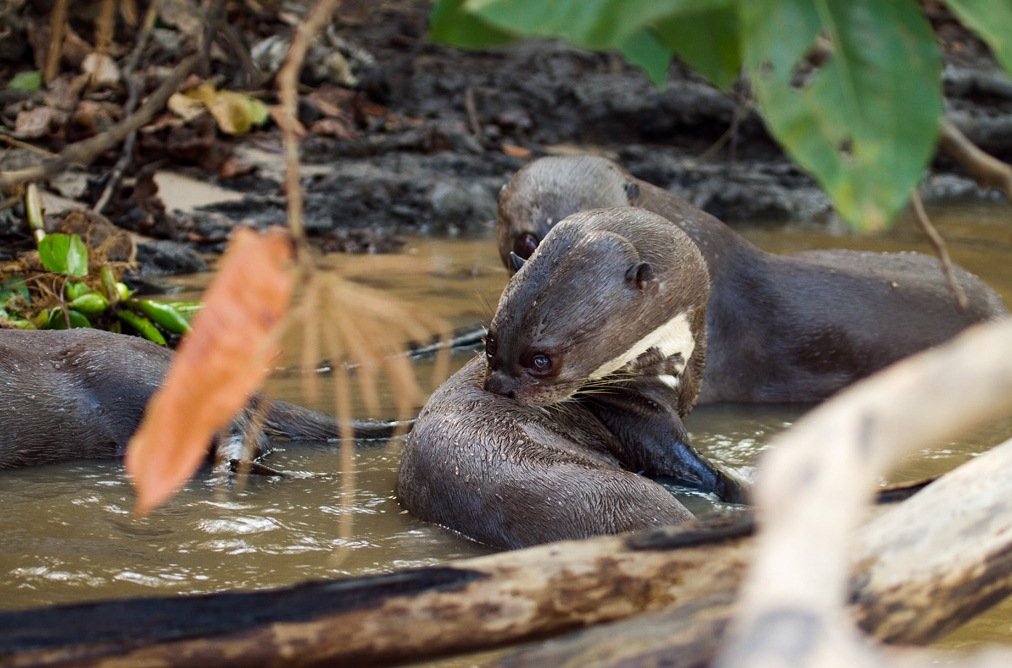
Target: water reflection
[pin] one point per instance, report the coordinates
(69, 535)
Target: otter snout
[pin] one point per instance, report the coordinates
(500, 383)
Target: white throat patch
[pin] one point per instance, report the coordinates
(673, 337)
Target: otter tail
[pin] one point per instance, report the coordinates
(295, 423)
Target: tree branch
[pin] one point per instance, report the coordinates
(814, 484)
(986, 169)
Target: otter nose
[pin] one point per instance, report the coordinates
(498, 382)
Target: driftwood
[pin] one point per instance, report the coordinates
(811, 496)
(468, 605)
(921, 569)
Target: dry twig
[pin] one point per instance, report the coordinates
(941, 250)
(133, 97)
(473, 121)
(83, 152)
(57, 27)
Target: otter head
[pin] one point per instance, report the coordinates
(547, 190)
(609, 292)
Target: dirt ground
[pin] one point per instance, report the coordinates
(424, 137)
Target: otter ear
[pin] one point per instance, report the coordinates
(516, 262)
(632, 191)
(641, 275)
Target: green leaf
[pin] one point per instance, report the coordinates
(64, 254)
(992, 20)
(865, 121)
(142, 326)
(707, 41)
(74, 289)
(451, 24)
(649, 53)
(90, 303)
(14, 296)
(597, 24)
(163, 314)
(13, 288)
(57, 319)
(696, 29)
(28, 81)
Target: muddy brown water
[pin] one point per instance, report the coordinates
(69, 536)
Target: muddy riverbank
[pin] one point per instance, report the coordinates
(424, 135)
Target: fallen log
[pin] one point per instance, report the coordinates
(920, 569)
(791, 612)
(468, 605)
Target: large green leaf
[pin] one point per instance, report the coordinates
(597, 24)
(864, 122)
(451, 24)
(992, 20)
(649, 53)
(646, 32)
(706, 40)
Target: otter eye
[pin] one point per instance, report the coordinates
(525, 244)
(540, 364)
(490, 346)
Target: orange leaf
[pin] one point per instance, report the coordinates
(514, 151)
(218, 367)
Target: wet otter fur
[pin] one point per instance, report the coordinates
(794, 328)
(592, 358)
(80, 394)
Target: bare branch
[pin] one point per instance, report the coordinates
(986, 169)
(57, 28)
(288, 80)
(941, 250)
(133, 97)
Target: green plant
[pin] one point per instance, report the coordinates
(101, 301)
(850, 88)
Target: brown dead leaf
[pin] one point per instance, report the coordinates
(102, 69)
(34, 123)
(194, 142)
(233, 167)
(235, 113)
(91, 118)
(514, 151)
(333, 127)
(185, 106)
(218, 367)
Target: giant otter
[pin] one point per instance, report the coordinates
(593, 356)
(793, 328)
(80, 394)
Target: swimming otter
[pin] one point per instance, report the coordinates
(793, 328)
(80, 394)
(593, 357)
